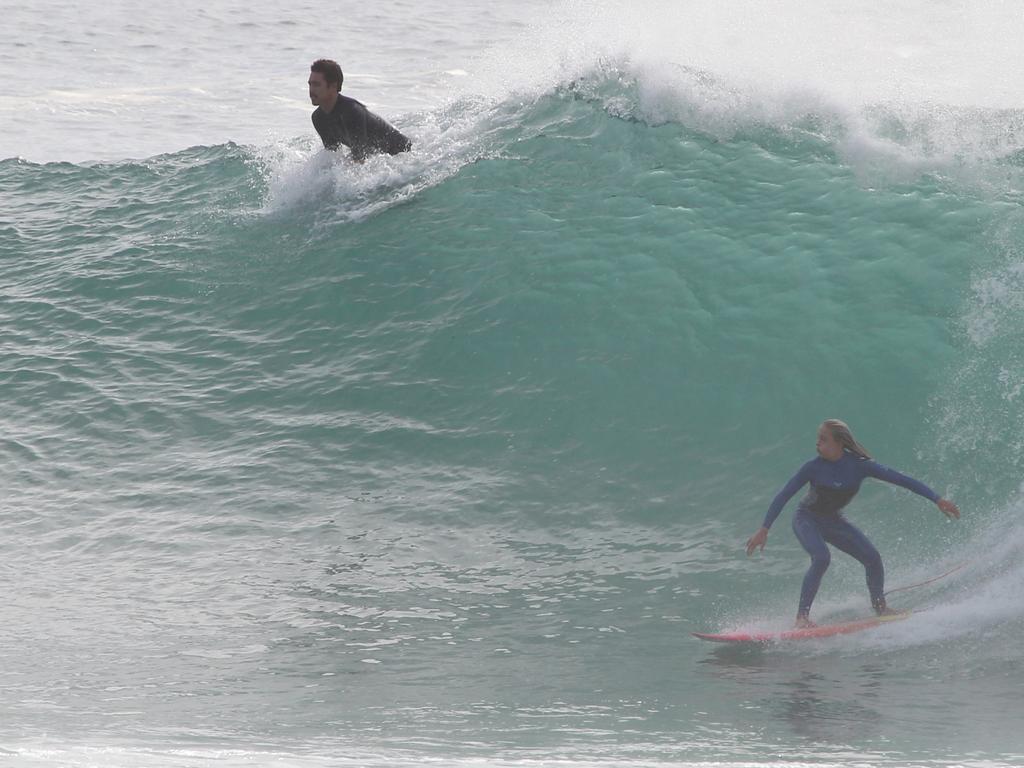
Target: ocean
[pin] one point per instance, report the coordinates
(439, 459)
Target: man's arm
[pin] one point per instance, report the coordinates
(318, 124)
(330, 129)
(356, 122)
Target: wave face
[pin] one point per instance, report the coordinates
(445, 454)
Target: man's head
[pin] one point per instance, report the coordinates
(325, 78)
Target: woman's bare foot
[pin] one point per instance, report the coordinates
(882, 609)
(802, 622)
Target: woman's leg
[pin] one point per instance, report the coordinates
(807, 530)
(846, 537)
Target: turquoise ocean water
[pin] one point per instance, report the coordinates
(440, 459)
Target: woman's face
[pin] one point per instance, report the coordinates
(828, 447)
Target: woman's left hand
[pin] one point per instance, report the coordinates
(949, 509)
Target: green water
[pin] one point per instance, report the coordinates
(445, 460)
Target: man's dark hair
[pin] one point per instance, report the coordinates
(330, 70)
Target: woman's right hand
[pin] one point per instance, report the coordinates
(757, 541)
(949, 509)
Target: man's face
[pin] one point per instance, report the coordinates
(319, 89)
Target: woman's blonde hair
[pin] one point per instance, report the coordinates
(841, 434)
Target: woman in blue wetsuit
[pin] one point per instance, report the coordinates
(835, 477)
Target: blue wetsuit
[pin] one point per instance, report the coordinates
(819, 518)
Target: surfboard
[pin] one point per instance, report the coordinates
(806, 633)
(825, 630)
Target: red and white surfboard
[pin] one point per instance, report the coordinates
(806, 633)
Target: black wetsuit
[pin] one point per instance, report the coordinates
(352, 124)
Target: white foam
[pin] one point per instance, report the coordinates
(302, 174)
(914, 82)
(980, 600)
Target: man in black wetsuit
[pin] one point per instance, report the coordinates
(341, 120)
